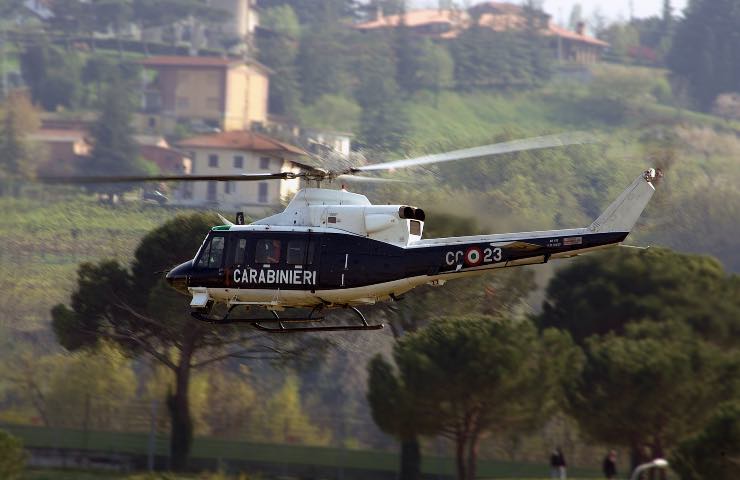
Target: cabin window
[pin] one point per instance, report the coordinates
(332, 219)
(415, 227)
(267, 251)
(212, 253)
(240, 251)
(296, 252)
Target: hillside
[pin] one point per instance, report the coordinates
(45, 239)
(569, 187)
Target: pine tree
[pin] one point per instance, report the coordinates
(114, 150)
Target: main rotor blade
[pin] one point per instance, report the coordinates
(357, 178)
(246, 177)
(524, 144)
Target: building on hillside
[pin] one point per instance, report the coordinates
(62, 149)
(445, 24)
(157, 150)
(238, 152)
(238, 30)
(204, 93)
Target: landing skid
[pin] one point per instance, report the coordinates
(264, 324)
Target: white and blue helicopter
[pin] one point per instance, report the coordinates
(334, 249)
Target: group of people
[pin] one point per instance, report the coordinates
(558, 465)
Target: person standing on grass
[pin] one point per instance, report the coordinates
(557, 464)
(610, 465)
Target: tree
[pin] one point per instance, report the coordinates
(576, 16)
(285, 421)
(605, 293)
(714, 453)
(278, 49)
(434, 67)
(317, 13)
(703, 50)
(114, 149)
(79, 390)
(472, 376)
(321, 63)
(140, 313)
(17, 155)
(332, 112)
(485, 58)
(650, 388)
(12, 457)
(53, 76)
(384, 122)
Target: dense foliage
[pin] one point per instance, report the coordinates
(470, 377)
(604, 293)
(705, 49)
(714, 454)
(12, 457)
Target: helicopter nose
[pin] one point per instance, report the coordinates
(178, 277)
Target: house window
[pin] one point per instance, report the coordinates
(264, 163)
(262, 193)
(267, 251)
(211, 191)
(238, 161)
(183, 102)
(229, 187)
(213, 161)
(212, 103)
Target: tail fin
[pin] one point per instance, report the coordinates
(623, 213)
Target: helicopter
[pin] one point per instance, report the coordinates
(333, 249)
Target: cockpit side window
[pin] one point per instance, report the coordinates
(211, 255)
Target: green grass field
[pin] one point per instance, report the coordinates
(286, 455)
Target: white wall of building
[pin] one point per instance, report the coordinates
(254, 198)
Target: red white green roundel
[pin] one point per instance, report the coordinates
(473, 256)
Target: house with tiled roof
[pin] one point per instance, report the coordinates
(206, 93)
(445, 24)
(238, 152)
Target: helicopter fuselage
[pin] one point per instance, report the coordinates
(333, 248)
(302, 267)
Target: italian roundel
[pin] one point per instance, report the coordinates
(473, 256)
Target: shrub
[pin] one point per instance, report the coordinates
(12, 457)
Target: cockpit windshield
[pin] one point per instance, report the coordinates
(212, 252)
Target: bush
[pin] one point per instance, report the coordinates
(12, 457)
(715, 453)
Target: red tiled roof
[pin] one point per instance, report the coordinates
(203, 62)
(185, 61)
(415, 18)
(561, 32)
(58, 135)
(495, 15)
(241, 140)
